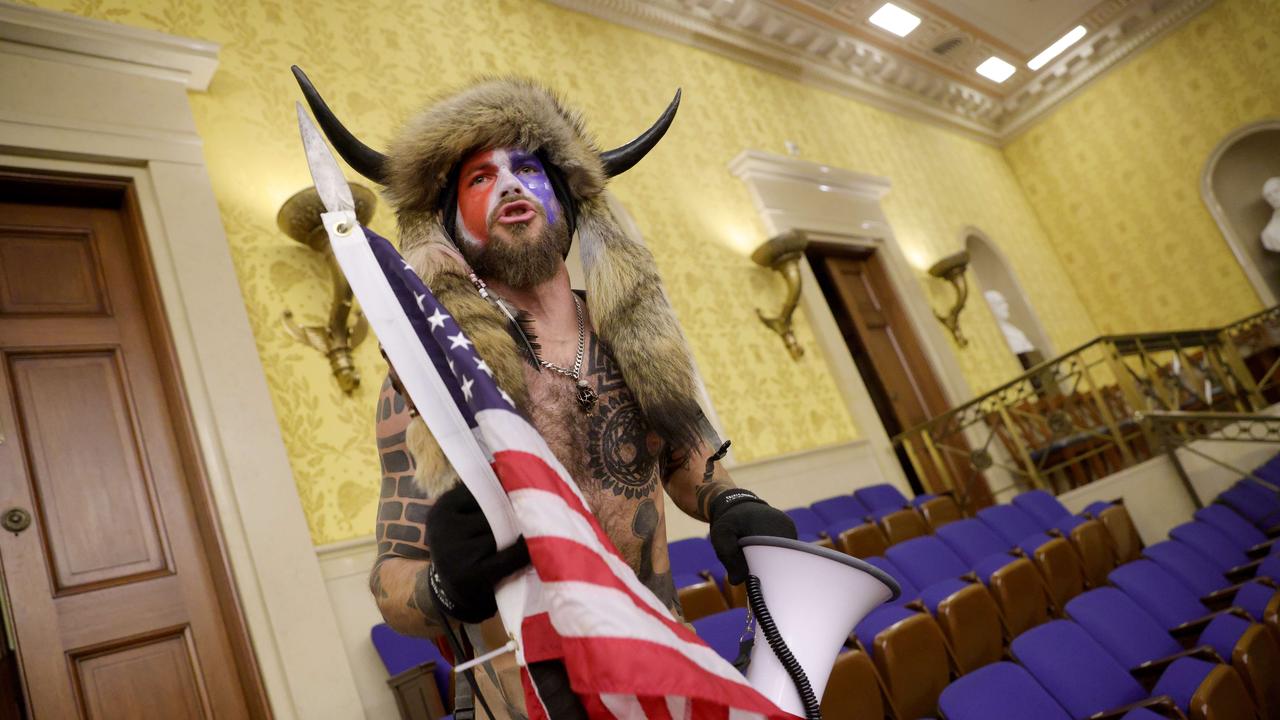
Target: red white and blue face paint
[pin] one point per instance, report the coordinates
(503, 187)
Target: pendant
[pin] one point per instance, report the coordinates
(586, 396)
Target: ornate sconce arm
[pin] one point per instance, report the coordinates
(951, 269)
(299, 218)
(782, 254)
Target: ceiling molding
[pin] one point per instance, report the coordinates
(1085, 63)
(771, 35)
(37, 32)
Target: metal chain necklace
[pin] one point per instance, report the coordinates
(586, 395)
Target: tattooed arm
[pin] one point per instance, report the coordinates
(694, 478)
(399, 579)
(732, 512)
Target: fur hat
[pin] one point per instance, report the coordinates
(630, 311)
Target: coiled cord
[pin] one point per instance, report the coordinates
(755, 600)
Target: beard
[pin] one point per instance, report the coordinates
(525, 259)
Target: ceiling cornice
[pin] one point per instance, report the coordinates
(769, 35)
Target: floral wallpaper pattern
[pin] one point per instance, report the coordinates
(1114, 174)
(379, 61)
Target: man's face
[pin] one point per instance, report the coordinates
(504, 191)
(511, 225)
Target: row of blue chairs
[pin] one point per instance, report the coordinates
(985, 590)
(863, 524)
(874, 519)
(1191, 629)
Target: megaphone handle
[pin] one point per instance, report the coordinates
(755, 601)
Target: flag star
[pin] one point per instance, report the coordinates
(506, 397)
(436, 320)
(407, 266)
(482, 366)
(452, 369)
(459, 341)
(420, 298)
(466, 388)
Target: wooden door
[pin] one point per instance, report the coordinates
(888, 353)
(112, 586)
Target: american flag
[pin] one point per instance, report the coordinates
(626, 656)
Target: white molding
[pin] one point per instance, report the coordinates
(843, 206)
(834, 62)
(1122, 39)
(1210, 198)
(75, 102)
(769, 35)
(71, 38)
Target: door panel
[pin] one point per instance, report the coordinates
(886, 334)
(93, 488)
(49, 272)
(107, 680)
(115, 607)
(889, 355)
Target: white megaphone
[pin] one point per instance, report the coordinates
(806, 601)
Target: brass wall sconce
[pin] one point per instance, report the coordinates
(782, 254)
(299, 218)
(951, 268)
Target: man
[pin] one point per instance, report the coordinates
(490, 186)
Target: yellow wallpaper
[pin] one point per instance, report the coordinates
(1114, 174)
(376, 61)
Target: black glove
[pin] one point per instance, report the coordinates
(465, 561)
(736, 514)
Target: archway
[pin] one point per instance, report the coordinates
(1231, 186)
(993, 273)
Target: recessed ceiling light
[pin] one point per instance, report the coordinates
(894, 19)
(993, 68)
(1058, 47)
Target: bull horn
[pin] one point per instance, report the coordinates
(362, 158)
(622, 159)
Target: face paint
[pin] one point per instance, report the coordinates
(507, 186)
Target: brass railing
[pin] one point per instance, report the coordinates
(1075, 418)
(1178, 430)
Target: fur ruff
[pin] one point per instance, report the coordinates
(624, 292)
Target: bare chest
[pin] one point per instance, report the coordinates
(607, 447)
(613, 456)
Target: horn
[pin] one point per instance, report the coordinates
(622, 159)
(799, 631)
(362, 158)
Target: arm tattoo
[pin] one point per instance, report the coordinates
(692, 491)
(402, 509)
(709, 489)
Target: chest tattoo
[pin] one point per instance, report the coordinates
(623, 454)
(613, 456)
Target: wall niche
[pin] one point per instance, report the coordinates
(1231, 186)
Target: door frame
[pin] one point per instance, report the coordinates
(160, 335)
(843, 208)
(95, 99)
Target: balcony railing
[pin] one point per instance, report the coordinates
(1076, 418)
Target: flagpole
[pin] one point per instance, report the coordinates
(434, 403)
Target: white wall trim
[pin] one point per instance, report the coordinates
(843, 206)
(72, 89)
(773, 36)
(1236, 243)
(70, 38)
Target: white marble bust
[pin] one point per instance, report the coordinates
(1271, 233)
(1016, 339)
